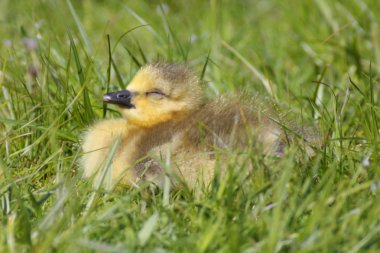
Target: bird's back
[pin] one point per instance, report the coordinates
(229, 122)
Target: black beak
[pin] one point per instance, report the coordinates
(122, 98)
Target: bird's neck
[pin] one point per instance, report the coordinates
(151, 137)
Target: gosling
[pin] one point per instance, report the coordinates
(165, 114)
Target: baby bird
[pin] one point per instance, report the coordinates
(165, 114)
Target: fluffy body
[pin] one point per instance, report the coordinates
(172, 120)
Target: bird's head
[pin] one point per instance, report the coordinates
(158, 93)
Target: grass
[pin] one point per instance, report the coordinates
(319, 59)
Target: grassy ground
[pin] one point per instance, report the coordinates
(320, 59)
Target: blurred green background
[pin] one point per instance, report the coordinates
(318, 59)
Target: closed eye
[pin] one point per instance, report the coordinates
(156, 95)
(155, 92)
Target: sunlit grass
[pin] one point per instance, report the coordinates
(318, 60)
